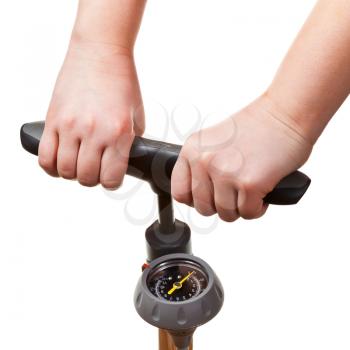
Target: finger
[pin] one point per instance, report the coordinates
(225, 197)
(181, 183)
(67, 156)
(251, 204)
(89, 163)
(202, 191)
(114, 164)
(48, 151)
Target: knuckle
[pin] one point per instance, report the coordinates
(205, 210)
(249, 184)
(66, 170)
(228, 215)
(111, 176)
(252, 210)
(231, 219)
(248, 215)
(119, 132)
(87, 183)
(67, 176)
(111, 184)
(203, 202)
(88, 126)
(46, 163)
(68, 122)
(219, 168)
(181, 197)
(256, 215)
(121, 128)
(86, 180)
(205, 160)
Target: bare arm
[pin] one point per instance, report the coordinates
(113, 22)
(314, 78)
(229, 168)
(96, 107)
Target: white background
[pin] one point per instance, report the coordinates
(70, 258)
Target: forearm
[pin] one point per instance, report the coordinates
(314, 78)
(109, 22)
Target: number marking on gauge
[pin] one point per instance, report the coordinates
(176, 282)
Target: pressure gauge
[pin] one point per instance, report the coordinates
(178, 292)
(177, 280)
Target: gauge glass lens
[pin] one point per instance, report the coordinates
(177, 280)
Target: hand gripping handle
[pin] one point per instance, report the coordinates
(153, 161)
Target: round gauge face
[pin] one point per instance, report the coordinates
(177, 280)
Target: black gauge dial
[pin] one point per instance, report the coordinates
(177, 280)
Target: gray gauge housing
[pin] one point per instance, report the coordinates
(182, 315)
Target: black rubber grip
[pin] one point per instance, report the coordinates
(153, 161)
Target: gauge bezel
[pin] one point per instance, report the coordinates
(179, 257)
(179, 315)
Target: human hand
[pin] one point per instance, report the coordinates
(229, 168)
(95, 112)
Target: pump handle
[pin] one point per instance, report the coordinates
(153, 161)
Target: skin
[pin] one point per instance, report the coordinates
(96, 110)
(275, 134)
(96, 107)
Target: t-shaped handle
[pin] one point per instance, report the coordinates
(153, 161)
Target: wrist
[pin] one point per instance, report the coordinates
(93, 44)
(109, 22)
(300, 121)
(101, 57)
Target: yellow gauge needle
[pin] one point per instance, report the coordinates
(178, 285)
